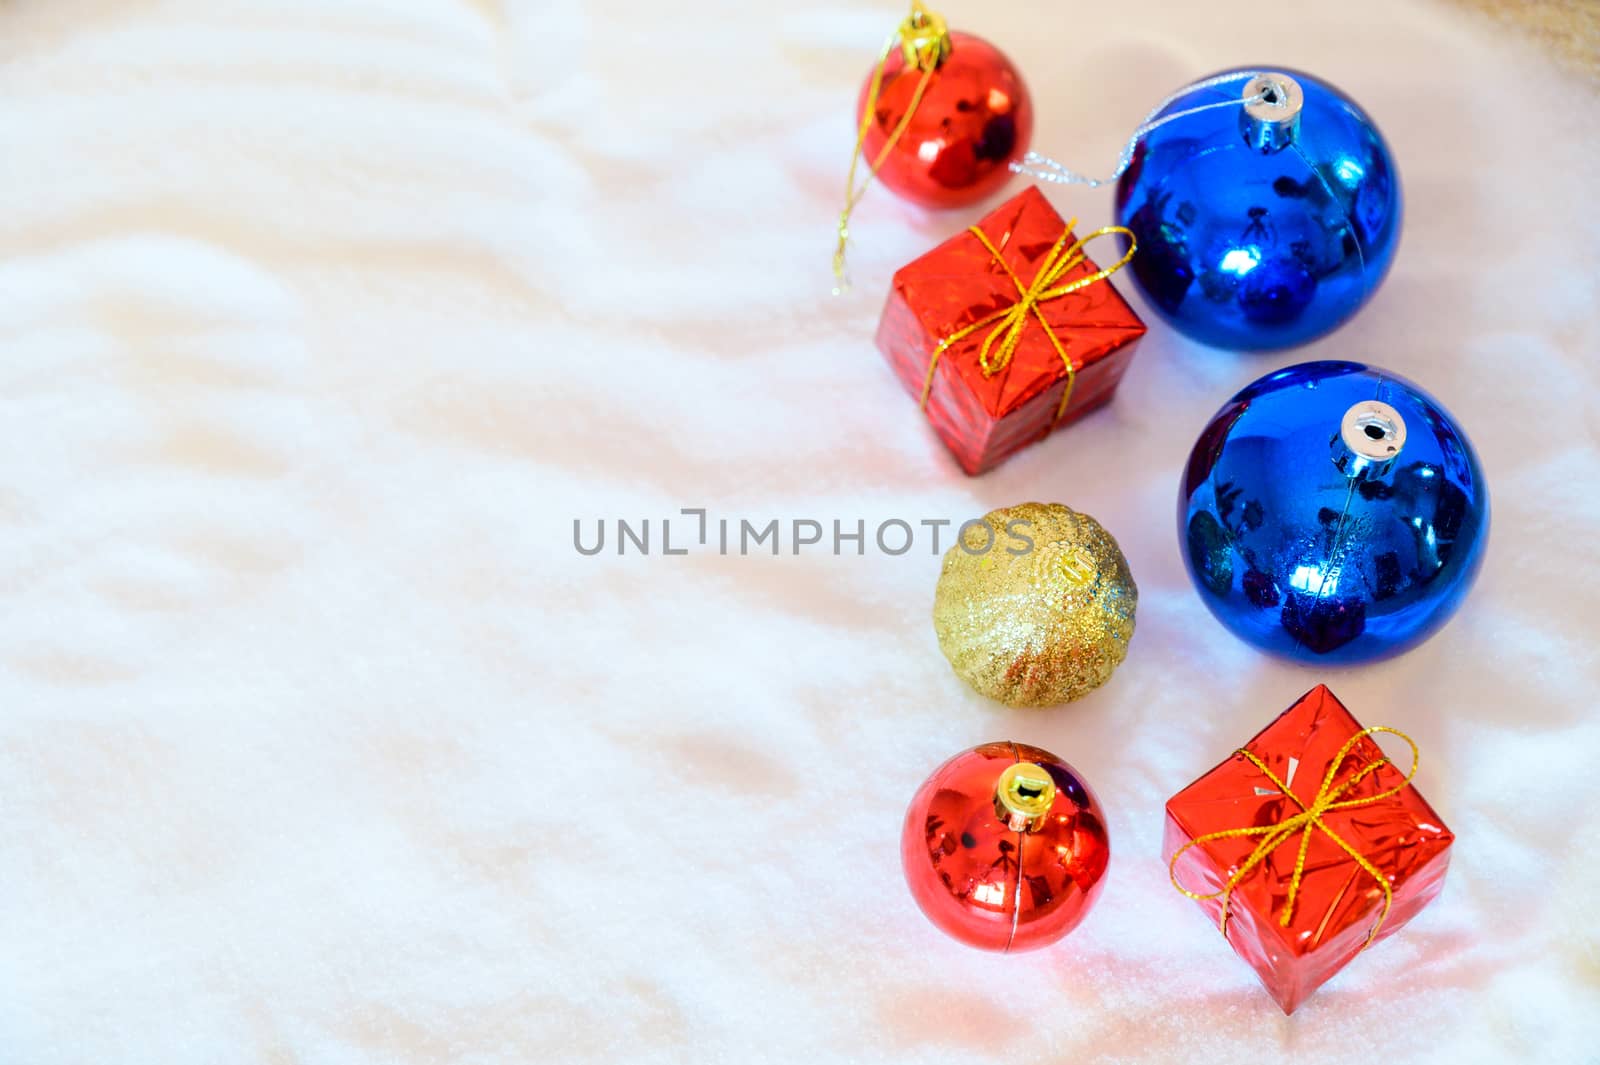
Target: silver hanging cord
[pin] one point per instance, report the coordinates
(1044, 168)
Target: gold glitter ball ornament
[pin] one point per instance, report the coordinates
(1035, 604)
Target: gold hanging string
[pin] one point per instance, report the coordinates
(1009, 323)
(1310, 817)
(924, 43)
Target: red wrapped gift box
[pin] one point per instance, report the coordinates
(1006, 331)
(1235, 838)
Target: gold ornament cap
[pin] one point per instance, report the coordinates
(924, 38)
(1035, 604)
(1023, 796)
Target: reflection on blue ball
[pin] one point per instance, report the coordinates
(1247, 249)
(1306, 548)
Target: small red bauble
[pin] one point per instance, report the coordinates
(973, 121)
(1004, 847)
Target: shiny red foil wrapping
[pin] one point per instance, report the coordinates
(984, 419)
(1338, 902)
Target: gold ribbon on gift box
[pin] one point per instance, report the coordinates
(1007, 324)
(1328, 798)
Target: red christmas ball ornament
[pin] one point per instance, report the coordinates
(1004, 847)
(959, 132)
(940, 120)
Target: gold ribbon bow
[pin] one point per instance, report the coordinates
(1310, 817)
(1008, 323)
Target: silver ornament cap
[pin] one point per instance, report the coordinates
(1271, 116)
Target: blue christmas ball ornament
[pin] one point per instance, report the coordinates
(1266, 223)
(1333, 512)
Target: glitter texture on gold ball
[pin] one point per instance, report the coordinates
(1035, 605)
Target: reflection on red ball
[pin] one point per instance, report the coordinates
(991, 886)
(974, 120)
